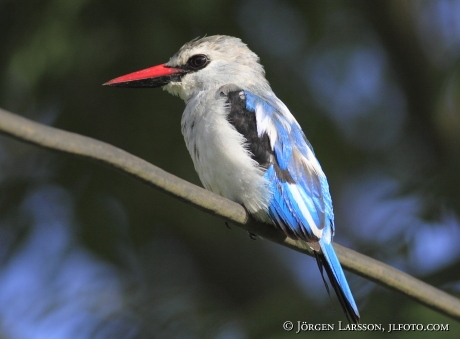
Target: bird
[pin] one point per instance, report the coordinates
(247, 146)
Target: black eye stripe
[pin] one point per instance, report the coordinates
(194, 63)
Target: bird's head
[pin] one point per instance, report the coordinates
(202, 64)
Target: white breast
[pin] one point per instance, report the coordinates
(218, 151)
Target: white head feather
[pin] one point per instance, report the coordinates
(231, 61)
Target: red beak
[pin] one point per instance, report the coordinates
(155, 76)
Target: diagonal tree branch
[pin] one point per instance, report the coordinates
(67, 142)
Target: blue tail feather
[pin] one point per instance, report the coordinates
(328, 259)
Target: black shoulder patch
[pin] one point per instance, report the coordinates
(245, 123)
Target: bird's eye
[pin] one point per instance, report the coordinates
(198, 61)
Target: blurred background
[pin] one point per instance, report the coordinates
(86, 252)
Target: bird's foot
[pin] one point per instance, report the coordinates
(252, 236)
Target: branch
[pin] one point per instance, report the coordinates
(67, 142)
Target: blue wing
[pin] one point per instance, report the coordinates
(301, 204)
